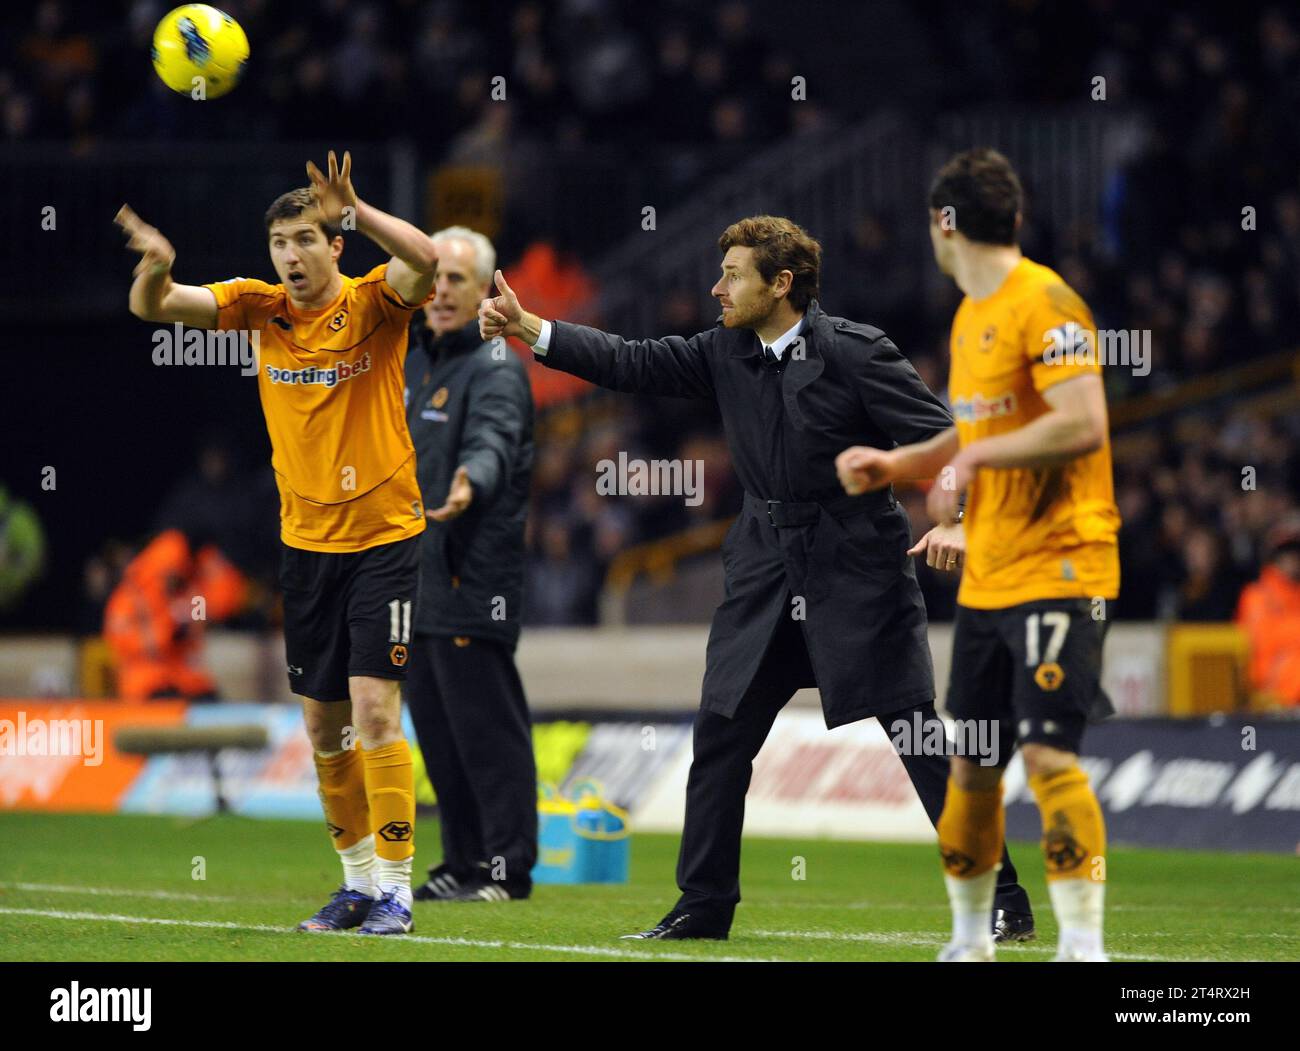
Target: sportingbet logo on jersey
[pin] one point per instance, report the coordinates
(978, 408)
(314, 376)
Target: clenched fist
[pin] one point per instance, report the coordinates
(862, 469)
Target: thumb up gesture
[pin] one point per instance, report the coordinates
(501, 315)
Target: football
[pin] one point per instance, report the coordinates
(199, 51)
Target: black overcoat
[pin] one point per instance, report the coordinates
(837, 564)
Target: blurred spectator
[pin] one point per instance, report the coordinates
(154, 620)
(1209, 589)
(22, 549)
(677, 87)
(563, 289)
(1270, 615)
(206, 504)
(562, 585)
(100, 576)
(233, 511)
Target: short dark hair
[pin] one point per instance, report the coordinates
(292, 204)
(985, 194)
(778, 245)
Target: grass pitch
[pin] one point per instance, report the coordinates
(115, 887)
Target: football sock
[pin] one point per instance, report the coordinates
(970, 844)
(359, 866)
(1074, 836)
(972, 906)
(390, 788)
(1078, 907)
(343, 796)
(1074, 844)
(394, 876)
(970, 830)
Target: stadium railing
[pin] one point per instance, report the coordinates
(828, 179)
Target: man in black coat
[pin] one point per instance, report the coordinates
(819, 588)
(470, 413)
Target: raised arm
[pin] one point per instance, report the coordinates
(414, 262)
(154, 295)
(673, 366)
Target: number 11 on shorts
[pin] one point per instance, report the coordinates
(399, 614)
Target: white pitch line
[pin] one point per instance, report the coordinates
(914, 938)
(119, 892)
(1175, 907)
(921, 939)
(942, 906)
(580, 950)
(777, 903)
(171, 895)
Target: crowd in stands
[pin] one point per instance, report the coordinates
(1198, 244)
(1198, 241)
(575, 71)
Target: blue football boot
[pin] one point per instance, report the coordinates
(388, 916)
(347, 909)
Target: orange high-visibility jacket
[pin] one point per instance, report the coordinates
(150, 623)
(1269, 612)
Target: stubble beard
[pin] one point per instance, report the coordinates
(753, 318)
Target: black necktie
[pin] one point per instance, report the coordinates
(769, 356)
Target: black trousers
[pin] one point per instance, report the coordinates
(471, 720)
(708, 865)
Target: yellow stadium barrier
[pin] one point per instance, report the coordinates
(97, 670)
(1207, 669)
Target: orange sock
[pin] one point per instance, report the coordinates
(343, 796)
(1074, 833)
(390, 788)
(971, 829)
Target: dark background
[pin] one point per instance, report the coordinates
(603, 119)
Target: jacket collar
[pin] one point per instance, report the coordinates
(463, 339)
(750, 345)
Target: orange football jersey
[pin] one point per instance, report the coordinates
(1031, 533)
(332, 385)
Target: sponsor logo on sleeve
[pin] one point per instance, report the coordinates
(977, 408)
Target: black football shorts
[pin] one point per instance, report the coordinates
(348, 613)
(1035, 668)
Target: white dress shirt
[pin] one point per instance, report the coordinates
(785, 339)
(544, 340)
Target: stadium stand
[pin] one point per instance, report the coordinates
(1147, 254)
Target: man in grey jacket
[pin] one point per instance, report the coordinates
(470, 412)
